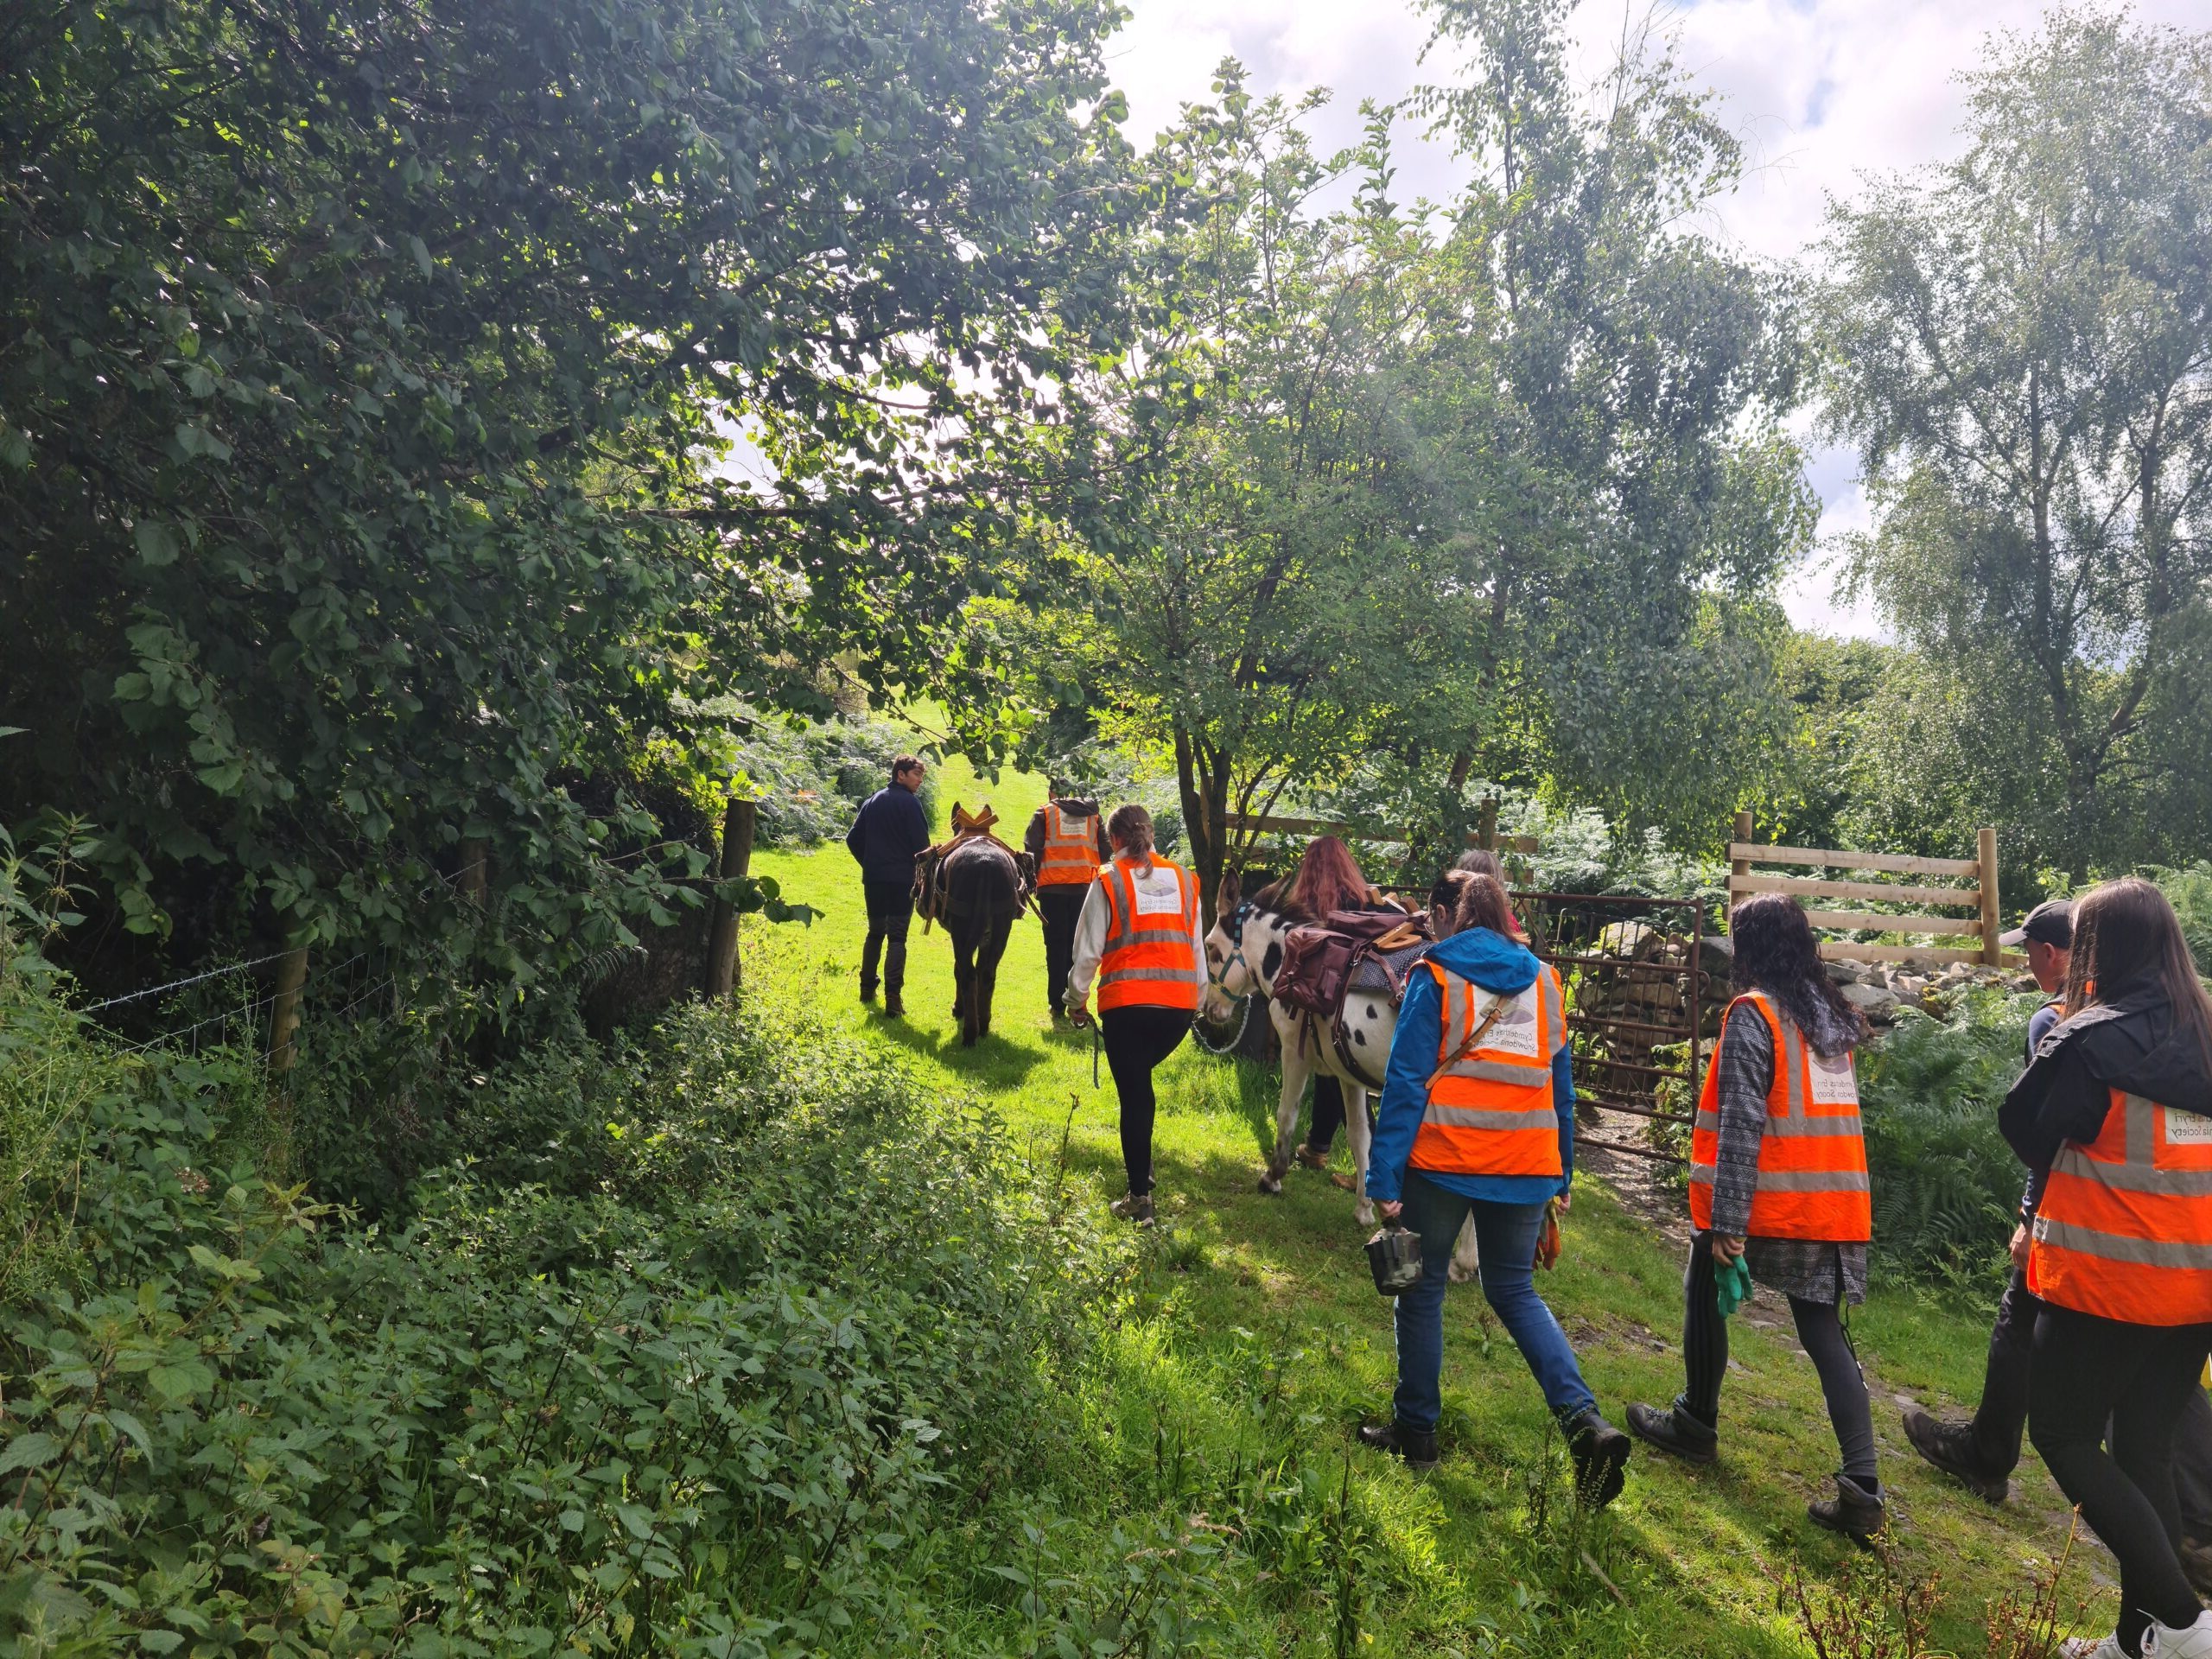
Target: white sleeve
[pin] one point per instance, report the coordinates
(1198, 942)
(1089, 941)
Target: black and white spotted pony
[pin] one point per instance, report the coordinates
(1243, 955)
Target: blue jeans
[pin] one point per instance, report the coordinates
(1506, 1234)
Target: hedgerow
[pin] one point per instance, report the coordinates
(729, 1383)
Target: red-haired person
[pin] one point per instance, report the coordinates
(1328, 877)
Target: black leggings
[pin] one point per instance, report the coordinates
(1137, 1040)
(1820, 1328)
(2085, 1370)
(1328, 1114)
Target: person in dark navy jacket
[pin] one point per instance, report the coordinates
(889, 830)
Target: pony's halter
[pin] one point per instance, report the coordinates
(1234, 929)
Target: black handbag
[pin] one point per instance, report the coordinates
(1394, 1257)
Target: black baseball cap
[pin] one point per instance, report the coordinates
(2049, 923)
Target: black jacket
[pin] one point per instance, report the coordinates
(2131, 1043)
(889, 830)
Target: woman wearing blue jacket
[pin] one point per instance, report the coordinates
(1477, 1117)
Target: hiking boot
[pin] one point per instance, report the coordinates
(894, 1006)
(1854, 1511)
(1676, 1432)
(1312, 1159)
(868, 990)
(1136, 1207)
(1600, 1454)
(1949, 1446)
(1416, 1446)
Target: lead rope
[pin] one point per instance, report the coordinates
(1198, 1031)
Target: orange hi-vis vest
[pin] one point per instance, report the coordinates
(1150, 960)
(1813, 1157)
(1490, 1109)
(2125, 1228)
(1071, 856)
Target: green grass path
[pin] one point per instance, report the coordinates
(1278, 1284)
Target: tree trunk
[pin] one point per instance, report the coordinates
(1201, 781)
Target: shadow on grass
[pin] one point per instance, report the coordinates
(995, 1061)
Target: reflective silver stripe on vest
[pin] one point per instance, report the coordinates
(1796, 1180)
(2116, 1247)
(1176, 975)
(1528, 1076)
(1477, 1117)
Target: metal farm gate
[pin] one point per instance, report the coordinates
(1636, 973)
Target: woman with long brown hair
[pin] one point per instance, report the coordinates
(2113, 1119)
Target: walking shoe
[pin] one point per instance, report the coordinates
(1600, 1454)
(1416, 1446)
(1312, 1159)
(2092, 1647)
(2189, 1641)
(1676, 1432)
(1949, 1446)
(1136, 1207)
(1854, 1511)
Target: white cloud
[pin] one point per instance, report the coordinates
(1823, 90)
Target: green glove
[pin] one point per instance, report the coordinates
(1731, 1284)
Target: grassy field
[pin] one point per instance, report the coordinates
(1257, 1308)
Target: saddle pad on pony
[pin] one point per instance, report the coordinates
(1383, 972)
(1320, 964)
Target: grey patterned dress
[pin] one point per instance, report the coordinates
(1809, 1269)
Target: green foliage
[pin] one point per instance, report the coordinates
(2190, 891)
(2020, 348)
(813, 775)
(1947, 1187)
(705, 1387)
(367, 380)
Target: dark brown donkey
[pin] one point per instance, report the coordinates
(976, 885)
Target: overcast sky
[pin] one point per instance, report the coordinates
(1821, 91)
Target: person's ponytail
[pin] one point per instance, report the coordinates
(1131, 826)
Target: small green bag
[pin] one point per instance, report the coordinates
(1731, 1284)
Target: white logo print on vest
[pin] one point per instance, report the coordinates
(1157, 902)
(1513, 1032)
(2186, 1129)
(1834, 1082)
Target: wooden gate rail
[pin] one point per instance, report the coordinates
(1984, 926)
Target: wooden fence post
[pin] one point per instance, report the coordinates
(724, 974)
(1487, 834)
(284, 1013)
(1992, 922)
(1736, 866)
